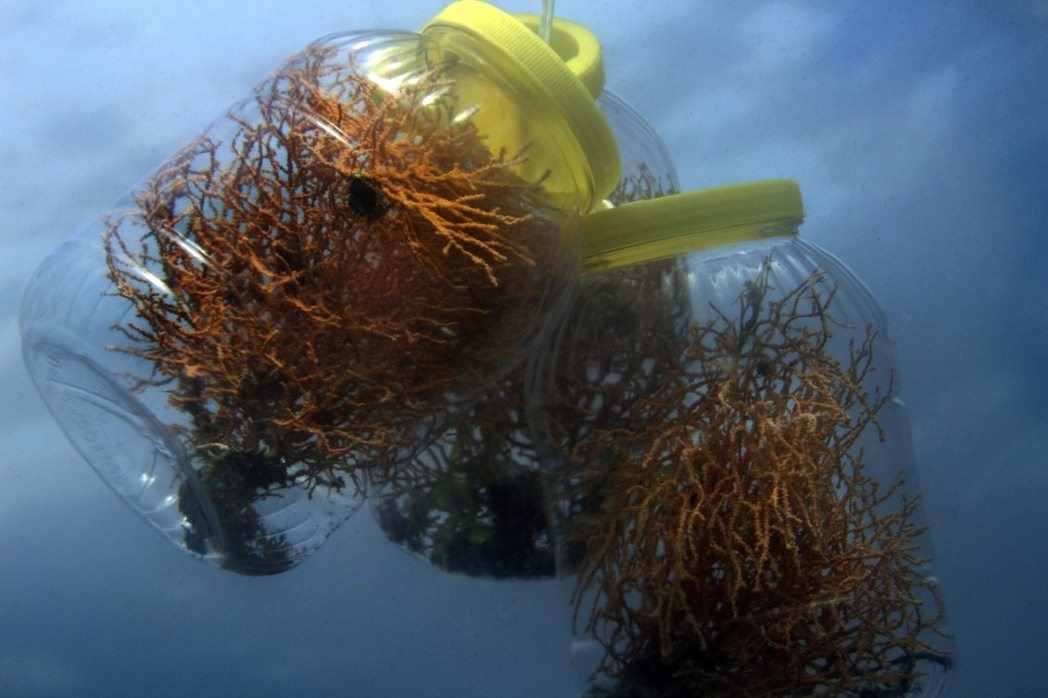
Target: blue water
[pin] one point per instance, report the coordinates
(919, 135)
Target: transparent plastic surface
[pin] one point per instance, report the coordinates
(300, 299)
(731, 475)
(474, 500)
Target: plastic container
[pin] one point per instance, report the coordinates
(415, 268)
(729, 464)
(303, 297)
(473, 501)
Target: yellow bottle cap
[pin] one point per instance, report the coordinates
(515, 49)
(671, 226)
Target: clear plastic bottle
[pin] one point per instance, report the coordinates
(473, 501)
(729, 463)
(302, 297)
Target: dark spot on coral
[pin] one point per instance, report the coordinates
(365, 199)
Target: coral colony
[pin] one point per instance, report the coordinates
(318, 286)
(728, 538)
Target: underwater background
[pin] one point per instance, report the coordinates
(919, 135)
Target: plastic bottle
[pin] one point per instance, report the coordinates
(301, 298)
(473, 500)
(729, 464)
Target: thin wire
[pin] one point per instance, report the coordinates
(546, 23)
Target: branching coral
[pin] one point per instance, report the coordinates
(736, 544)
(475, 500)
(320, 284)
(318, 287)
(614, 349)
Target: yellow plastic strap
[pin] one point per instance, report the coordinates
(512, 41)
(672, 226)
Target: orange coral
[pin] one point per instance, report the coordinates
(474, 501)
(320, 285)
(731, 540)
